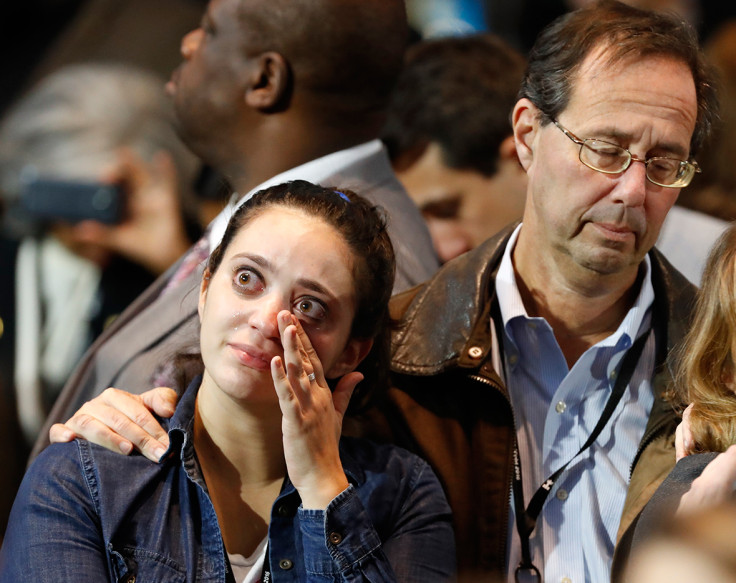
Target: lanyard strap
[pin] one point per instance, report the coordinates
(526, 518)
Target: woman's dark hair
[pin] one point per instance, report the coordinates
(363, 228)
(625, 32)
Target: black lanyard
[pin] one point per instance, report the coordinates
(526, 518)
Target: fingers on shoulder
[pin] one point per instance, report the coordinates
(161, 400)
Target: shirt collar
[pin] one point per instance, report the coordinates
(179, 427)
(315, 171)
(511, 305)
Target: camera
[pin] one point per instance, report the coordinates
(47, 200)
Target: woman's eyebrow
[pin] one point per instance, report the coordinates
(316, 287)
(257, 259)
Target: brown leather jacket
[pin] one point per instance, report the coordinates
(449, 405)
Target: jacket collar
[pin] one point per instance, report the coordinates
(674, 300)
(180, 425)
(447, 323)
(447, 313)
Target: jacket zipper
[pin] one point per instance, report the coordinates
(505, 537)
(646, 440)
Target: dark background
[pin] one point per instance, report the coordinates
(43, 34)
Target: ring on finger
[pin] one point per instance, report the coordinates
(312, 377)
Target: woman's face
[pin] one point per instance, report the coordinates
(282, 259)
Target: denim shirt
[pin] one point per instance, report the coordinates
(86, 514)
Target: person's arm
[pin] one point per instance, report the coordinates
(312, 415)
(420, 547)
(336, 526)
(121, 421)
(54, 532)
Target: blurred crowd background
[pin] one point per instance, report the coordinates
(49, 33)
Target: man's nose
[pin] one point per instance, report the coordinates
(633, 184)
(190, 42)
(449, 237)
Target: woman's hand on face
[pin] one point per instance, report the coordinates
(312, 416)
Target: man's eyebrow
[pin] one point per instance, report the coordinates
(446, 207)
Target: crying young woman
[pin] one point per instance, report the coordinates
(257, 484)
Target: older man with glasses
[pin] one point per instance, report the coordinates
(534, 365)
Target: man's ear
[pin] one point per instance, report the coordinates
(269, 83)
(525, 121)
(355, 351)
(203, 287)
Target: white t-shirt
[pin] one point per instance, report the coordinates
(248, 569)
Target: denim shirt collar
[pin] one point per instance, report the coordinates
(181, 433)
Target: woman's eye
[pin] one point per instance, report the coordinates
(248, 281)
(311, 308)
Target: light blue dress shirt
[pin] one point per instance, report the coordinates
(555, 409)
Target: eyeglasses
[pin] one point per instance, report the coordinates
(612, 159)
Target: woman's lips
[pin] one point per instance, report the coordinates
(251, 356)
